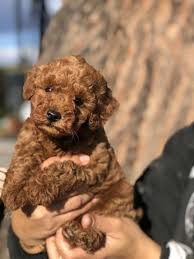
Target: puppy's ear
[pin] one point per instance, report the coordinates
(28, 88)
(29, 85)
(106, 106)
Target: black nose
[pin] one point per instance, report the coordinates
(53, 116)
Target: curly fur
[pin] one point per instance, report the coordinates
(57, 86)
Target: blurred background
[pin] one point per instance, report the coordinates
(22, 25)
(144, 48)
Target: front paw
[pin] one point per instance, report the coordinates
(63, 175)
(62, 172)
(90, 240)
(52, 183)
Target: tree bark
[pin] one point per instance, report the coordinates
(145, 49)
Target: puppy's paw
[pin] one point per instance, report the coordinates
(89, 240)
(53, 183)
(64, 175)
(70, 168)
(58, 169)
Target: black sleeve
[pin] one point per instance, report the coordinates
(176, 250)
(165, 189)
(159, 192)
(165, 253)
(2, 208)
(16, 251)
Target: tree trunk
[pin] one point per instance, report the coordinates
(145, 49)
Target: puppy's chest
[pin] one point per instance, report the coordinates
(61, 147)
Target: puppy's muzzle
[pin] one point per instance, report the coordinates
(53, 116)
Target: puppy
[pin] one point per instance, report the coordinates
(70, 103)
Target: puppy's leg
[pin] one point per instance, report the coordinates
(60, 178)
(89, 239)
(43, 187)
(90, 175)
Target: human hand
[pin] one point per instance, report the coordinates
(2, 178)
(44, 222)
(125, 240)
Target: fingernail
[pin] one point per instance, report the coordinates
(95, 200)
(87, 221)
(84, 159)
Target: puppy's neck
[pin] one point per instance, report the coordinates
(82, 141)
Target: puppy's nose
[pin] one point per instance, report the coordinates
(53, 116)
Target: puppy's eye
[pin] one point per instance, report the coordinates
(48, 89)
(78, 101)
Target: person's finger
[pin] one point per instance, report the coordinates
(66, 250)
(2, 178)
(3, 170)
(103, 223)
(2, 174)
(63, 218)
(39, 212)
(87, 221)
(52, 248)
(61, 244)
(77, 159)
(51, 160)
(72, 203)
(62, 207)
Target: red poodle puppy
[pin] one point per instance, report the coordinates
(70, 104)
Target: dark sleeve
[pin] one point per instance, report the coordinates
(159, 192)
(176, 250)
(165, 253)
(2, 208)
(169, 214)
(165, 190)
(15, 250)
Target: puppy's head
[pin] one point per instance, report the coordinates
(67, 93)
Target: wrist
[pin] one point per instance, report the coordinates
(22, 227)
(147, 248)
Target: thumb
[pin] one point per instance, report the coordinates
(103, 223)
